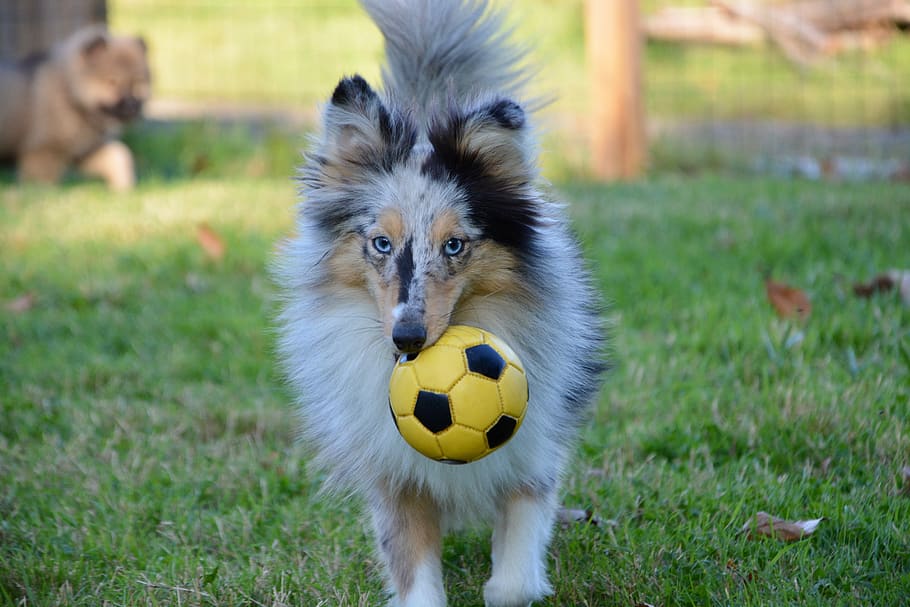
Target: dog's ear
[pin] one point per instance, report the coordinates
(492, 139)
(360, 135)
(94, 44)
(489, 152)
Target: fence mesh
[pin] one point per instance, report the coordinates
(706, 104)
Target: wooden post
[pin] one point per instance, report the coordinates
(613, 41)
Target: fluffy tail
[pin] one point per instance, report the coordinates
(440, 49)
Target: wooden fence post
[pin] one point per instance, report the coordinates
(613, 43)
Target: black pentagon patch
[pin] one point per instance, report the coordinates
(433, 411)
(486, 361)
(501, 431)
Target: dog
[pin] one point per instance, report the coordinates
(66, 107)
(422, 207)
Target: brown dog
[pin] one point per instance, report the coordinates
(66, 108)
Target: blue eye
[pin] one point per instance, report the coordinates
(382, 244)
(453, 247)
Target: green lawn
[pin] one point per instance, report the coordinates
(147, 450)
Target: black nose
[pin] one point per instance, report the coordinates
(409, 336)
(128, 108)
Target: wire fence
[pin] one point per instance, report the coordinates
(705, 104)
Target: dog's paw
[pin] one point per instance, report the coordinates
(515, 592)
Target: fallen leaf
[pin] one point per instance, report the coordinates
(885, 282)
(210, 241)
(787, 301)
(21, 304)
(765, 525)
(880, 284)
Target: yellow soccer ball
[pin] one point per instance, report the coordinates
(460, 399)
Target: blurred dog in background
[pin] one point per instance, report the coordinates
(66, 107)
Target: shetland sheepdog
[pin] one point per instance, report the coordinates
(422, 207)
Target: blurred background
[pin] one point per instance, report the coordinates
(813, 88)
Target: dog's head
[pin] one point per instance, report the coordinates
(428, 220)
(107, 75)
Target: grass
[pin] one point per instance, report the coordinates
(147, 452)
(292, 52)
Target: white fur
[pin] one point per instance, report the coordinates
(427, 589)
(397, 311)
(468, 44)
(341, 361)
(520, 539)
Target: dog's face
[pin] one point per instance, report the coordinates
(109, 75)
(427, 223)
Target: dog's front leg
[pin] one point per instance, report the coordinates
(520, 539)
(408, 532)
(113, 162)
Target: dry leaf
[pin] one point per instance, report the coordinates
(210, 241)
(21, 304)
(892, 279)
(765, 525)
(880, 284)
(787, 301)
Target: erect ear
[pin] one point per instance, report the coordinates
(488, 152)
(491, 139)
(94, 44)
(360, 134)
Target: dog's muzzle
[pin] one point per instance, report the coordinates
(409, 336)
(126, 109)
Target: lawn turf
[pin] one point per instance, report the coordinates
(147, 452)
